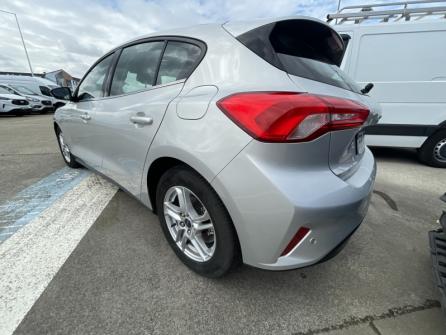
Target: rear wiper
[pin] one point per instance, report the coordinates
(367, 88)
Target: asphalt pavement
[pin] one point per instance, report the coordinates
(123, 278)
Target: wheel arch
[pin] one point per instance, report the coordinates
(154, 173)
(56, 126)
(161, 165)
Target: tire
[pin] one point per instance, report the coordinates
(68, 157)
(433, 150)
(224, 253)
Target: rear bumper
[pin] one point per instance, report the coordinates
(437, 241)
(16, 111)
(269, 202)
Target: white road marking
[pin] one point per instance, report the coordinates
(32, 256)
(26, 205)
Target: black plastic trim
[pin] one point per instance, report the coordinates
(401, 129)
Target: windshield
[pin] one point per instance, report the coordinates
(4, 91)
(9, 89)
(23, 89)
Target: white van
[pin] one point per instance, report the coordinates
(403, 53)
(38, 85)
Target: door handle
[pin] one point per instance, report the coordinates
(143, 120)
(85, 117)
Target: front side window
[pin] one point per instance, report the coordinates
(179, 60)
(92, 85)
(45, 90)
(136, 68)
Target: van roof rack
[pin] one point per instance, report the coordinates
(388, 12)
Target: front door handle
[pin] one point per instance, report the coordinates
(85, 117)
(143, 120)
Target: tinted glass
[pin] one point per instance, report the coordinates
(45, 90)
(136, 68)
(315, 70)
(303, 48)
(91, 86)
(178, 62)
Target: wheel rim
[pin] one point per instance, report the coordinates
(440, 150)
(189, 223)
(64, 148)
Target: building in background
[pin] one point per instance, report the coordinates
(62, 78)
(59, 77)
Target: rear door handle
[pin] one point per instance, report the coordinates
(85, 117)
(143, 120)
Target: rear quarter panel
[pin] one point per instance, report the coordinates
(208, 143)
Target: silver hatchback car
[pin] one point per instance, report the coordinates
(245, 138)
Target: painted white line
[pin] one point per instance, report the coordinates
(32, 256)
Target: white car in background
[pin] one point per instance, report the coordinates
(12, 103)
(36, 84)
(39, 104)
(401, 49)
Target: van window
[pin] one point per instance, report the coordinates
(179, 60)
(45, 90)
(303, 48)
(92, 85)
(412, 56)
(136, 68)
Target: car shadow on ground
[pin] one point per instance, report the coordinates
(401, 155)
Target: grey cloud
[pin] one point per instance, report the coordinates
(71, 35)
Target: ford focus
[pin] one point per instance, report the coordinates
(246, 139)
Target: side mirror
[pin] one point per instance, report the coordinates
(62, 93)
(367, 88)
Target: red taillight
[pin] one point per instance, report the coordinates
(291, 117)
(301, 233)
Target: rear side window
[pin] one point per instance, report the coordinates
(179, 60)
(302, 48)
(136, 68)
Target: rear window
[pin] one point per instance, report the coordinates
(302, 48)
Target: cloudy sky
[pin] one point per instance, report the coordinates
(71, 35)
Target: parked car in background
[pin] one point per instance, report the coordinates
(13, 104)
(402, 52)
(37, 102)
(36, 84)
(245, 138)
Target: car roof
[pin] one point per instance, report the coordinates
(207, 30)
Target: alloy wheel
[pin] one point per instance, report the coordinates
(64, 148)
(189, 223)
